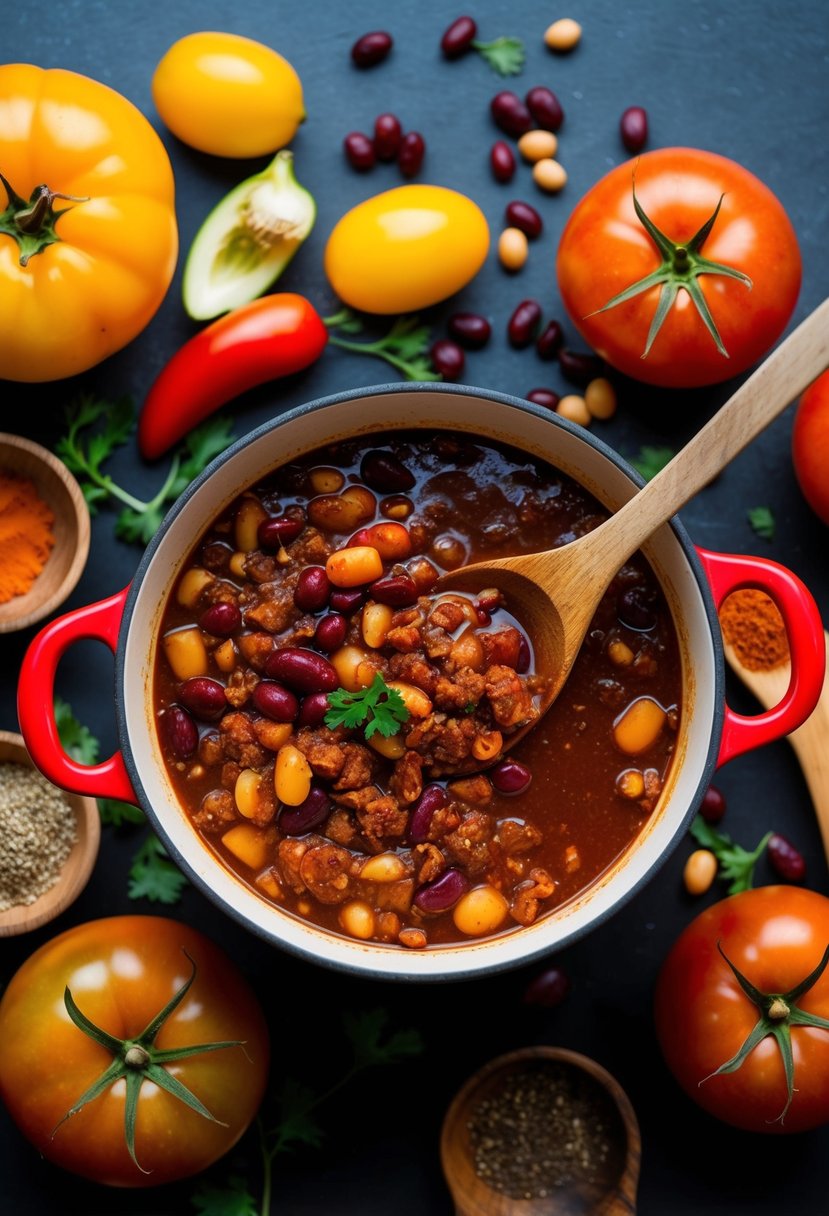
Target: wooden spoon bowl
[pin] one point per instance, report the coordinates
(611, 1194)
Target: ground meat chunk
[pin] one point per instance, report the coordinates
(524, 906)
(342, 829)
(210, 749)
(217, 810)
(406, 638)
(255, 648)
(515, 837)
(406, 783)
(230, 774)
(261, 567)
(310, 548)
(357, 768)
(239, 741)
(239, 687)
(272, 735)
(406, 616)
(444, 820)
(447, 615)
(430, 862)
(511, 702)
(382, 818)
(413, 669)
(274, 610)
(324, 751)
(465, 688)
(289, 854)
(447, 742)
(357, 800)
(501, 647)
(325, 870)
(469, 844)
(437, 642)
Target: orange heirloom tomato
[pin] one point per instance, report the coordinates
(121, 973)
(88, 237)
(810, 446)
(695, 286)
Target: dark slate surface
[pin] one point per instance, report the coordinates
(745, 79)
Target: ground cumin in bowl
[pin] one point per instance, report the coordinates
(48, 842)
(44, 533)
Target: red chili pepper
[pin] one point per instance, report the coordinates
(272, 337)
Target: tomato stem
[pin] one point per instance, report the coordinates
(778, 1013)
(32, 223)
(680, 269)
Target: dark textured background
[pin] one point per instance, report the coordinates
(745, 79)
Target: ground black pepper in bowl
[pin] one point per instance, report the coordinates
(545, 1126)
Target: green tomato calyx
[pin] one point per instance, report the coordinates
(138, 1060)
(32, 222)
(779, 1012)
(681, 268)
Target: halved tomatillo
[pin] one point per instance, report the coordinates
(247, 240)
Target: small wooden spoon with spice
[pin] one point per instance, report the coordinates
(754, 641)
(555, 594)
(541, 1132)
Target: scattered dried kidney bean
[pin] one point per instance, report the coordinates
(523, 323)
(447, 358)
(578, 366)
(712, 807)
(410, 153)
(359, 151)
(550, 340)
(371, 48)
(522, 215)
(545, 108)
(470, 329)
(548, 989)
(543, 396)
(633, 128)
(502, 161)
(510, 113)
(387, 136)
(458, 37)
(785, 859)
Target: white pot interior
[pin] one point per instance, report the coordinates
(418, 407)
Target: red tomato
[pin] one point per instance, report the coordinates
(121, 973)
(605, 249)
(775, 936)
(810, 446)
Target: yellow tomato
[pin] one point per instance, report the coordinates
(78, 279)
(406, 249)
(228, 95)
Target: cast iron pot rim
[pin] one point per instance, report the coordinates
(314, 406)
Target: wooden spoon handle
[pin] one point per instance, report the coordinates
(783, 376)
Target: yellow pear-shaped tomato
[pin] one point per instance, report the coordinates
(228, 95)
(406, 249)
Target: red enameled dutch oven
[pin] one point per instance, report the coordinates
(695, 583)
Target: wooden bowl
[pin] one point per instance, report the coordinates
(59, 490)
(475, 1197)
(77, 867)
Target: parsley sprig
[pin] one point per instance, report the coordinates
(405, 346)
(504, 55)
(296, 1123)
(376, 708)
(736, 864)
(98, 428)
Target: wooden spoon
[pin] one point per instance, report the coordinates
(614, 1195)
(810, 741)
(555, 594)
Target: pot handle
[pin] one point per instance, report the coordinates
(36, 697)
(727, 572)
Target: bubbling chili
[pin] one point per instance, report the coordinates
(334, 725)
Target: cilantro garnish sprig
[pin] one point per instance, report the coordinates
(376, 708)
(405, 346)
(96, 429)
(736, 864)
(504, 55)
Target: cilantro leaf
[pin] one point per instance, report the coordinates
(84, 454)
(405, 346)
(296, 1126)
(650, 460)
(736, 864)
(233, 1199)
(762, 521)
(117, 814)
(365, 1033)
(153, 876)
(377, 708)
(78, 741)
(504, 55)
